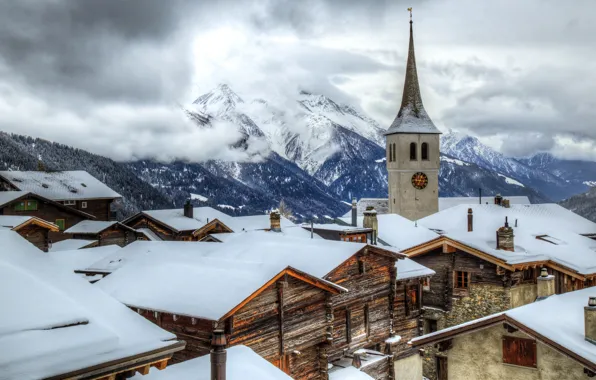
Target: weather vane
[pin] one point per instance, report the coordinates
(410, 10)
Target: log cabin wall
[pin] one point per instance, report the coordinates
(407, 316)
(216, 228)
(99, 208)
(114, 235)
(362, 316)
(163, 232)
(48, 212)
(37, 235)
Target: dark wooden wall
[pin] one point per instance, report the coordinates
(99, 208)
(48, 212)
(116, 234)
(166, 233)
(36, 235)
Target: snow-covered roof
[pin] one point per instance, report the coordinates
(175, 217)
(76, 258)
(408, 268)
(447, 202)
(95, 328)
(242, 363)
(399, 232)
(348, 373)
(294, 232)
(61, 185)
(167, 276)
(17, 221)
(559, 318)
(543, 232)
(409, 121)
(89, 227)
(71, 244)
(335, 227)
(152, 236)
(9, 196)
(257, 222)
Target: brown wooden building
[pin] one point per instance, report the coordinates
(187, 224)
(35, 230)
(105, 233)
(21, 203)
(331, 300)
(341, 232)
(76, 189)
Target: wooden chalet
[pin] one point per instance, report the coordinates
(21, 203)
(35, 230)
(104, 233)
(302, 304)
(58, 327)
(187, 224)
(340, 232)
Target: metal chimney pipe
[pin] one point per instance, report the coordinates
(218, 355)
(354, 212)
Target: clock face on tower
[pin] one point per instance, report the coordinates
(419, 180)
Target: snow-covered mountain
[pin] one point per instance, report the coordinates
(527, 172)
(581, 174)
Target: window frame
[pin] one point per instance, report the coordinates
(83, 204)
(424, 156)
(26, 205)
(413, 151)
(394, 154)
(465, 279)
(70, 202)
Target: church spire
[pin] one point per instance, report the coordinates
(412, 118)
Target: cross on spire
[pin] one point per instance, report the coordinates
(410, 10)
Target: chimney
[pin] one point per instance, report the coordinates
(505, 203)
(546, 284)
(356, 361)
(470, 220)
(498, 199)
(590, 320)
(188, 209)
(505, 237)
(354, 212)
(275, 220)
(218, 355)
(370, 221)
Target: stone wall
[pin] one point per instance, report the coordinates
(482, 300)
(523, 295)
(480, 356)
(409, 368)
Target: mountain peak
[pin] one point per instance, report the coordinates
(221, 100)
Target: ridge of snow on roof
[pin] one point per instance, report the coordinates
(559, 318)
(70, 244)
(74, 259)
(399, 232)
(89, 227)
(9, 196)
(408, 268)
(292, 232)
(334, 227)
(447, 202)
(61, 185)
(175, 217)
(13, 221)
(573, 250)
(208, 280)
(152, 236)
(242, 364)
(51, 297)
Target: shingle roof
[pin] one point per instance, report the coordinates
(61, 185)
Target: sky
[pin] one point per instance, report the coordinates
(111, 76)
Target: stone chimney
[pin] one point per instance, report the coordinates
(218, 355)
(370, 221)
(470, 220)
(275, 220)
(590, 320)
(505, 237)
(354, 212)
(505, 203)
(498, 199)
(546, 284)
(356, 361)
(188, 209)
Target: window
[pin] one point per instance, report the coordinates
(393, 153)
(430, 326)
(390, 153)
(519, 351)
(442, 371)
(461, 280)
(424, 152)
(412, 299)
(83, 204)
(29, 205)
(60, 224)
(413, 152)
(70, 203)
(426, 284)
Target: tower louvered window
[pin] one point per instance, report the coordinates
(413, 152)
(424, 152)
(393, 158)
(390, 158)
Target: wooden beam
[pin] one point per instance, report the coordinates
(144, 370)
(447, 248)
(280, 301)
(510, 329)
(160, 365)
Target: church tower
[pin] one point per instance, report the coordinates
(413, 150)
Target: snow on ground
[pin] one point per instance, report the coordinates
(454, 161)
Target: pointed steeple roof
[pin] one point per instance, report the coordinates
(412, 117)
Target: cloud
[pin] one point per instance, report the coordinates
(107, 75)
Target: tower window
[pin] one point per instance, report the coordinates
(390, 158)
(413, 152)
(393, 159)
(424, 152)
